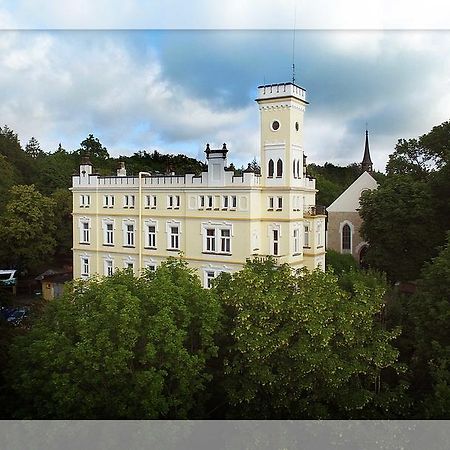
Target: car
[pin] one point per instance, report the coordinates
(8, 277)
(14, 316)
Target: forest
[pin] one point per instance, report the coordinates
(264, 342)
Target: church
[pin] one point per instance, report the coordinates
(344, 221)
(217, 219)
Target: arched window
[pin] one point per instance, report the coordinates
(346, 237)
(279, 168)
(271, 168)
(293, 169)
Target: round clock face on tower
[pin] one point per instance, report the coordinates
(275, 125)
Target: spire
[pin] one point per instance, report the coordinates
(366, 164)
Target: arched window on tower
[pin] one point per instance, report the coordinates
(346, 237)
(279, 168)
(294, 165)
(271, 168)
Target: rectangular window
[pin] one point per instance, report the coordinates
(319, 235)
(129, 235)
(108, 201)
(275, 242)
(210, 240)
(296, 241)
(84, 237)
(209, 277)
(109, 234)
(109, 267)
(169, 201)
(85, 201)
(174, 238)
(177, 202)
(233, 202)
(225, 241)
(201, 201)
(129, 265)
(128, 201)
(150, 201)
(210, 202)
(280, 204)
(270, 204)
(306, 237)
(151, 236)
(147, 201)
(84, 267)
(225, 201)
(151, 266)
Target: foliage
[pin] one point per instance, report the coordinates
(339, 262)
(119, 347)
(302, 347)
(33, 148)
(63, 222)
(27, 228)
(8, 177)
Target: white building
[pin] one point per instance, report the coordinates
(217, 219)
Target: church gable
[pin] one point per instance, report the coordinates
(348, 201)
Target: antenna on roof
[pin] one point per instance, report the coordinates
(293, 43)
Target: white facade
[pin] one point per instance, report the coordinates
(217, 219)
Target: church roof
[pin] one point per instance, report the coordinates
(367, 162)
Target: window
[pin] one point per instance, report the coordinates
(129, 265)
(151, 236)
(108, 201)
(209, 204)
(296, 242)
(173, 201)
(306, 237)
(296, 203)
(233, 202)
(216, 238)
(109, 267)
(84, 266)
(150, 201)
(319, 235)
(270, 203)
(174, 238)
(210, 240)
(225, 201)
(294, 167)
(150, 266)
(108, 234)
(298, 169)
(209, 277)
(128, 240)
(177, 201)
(169, 201)
(225, 241)
(346, 237)
(279, 168)
(201, 201)
(280, 204)
(276, 242)
(271, 168)
(84, 232)
(128, 201)
(85, 201)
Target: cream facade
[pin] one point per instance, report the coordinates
(217, 219)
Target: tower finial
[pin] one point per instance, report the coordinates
(293, 43)
(366, 164)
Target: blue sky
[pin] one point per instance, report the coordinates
(174, 90)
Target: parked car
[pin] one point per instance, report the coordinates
(14, 316)
(8, 277)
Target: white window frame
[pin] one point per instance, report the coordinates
(225, 202)
(209, 202)
(169, 225)
(85, 200)
(85, 261)
(169, 201)
(150, 265)
(352, 230)
(271, 235)
(108, 201)
(233, 204)
(129, 261)
(129, 201)
(126, 233)
(319, 236)
(217, 241)
(108, 233)
(270, 203)
(147, 224)
(85, 232)
(150, 202)
(306, 235)
(296, 248)
(215, 271)
(279, 203)
(201, 202)
(108, 266)
(177, 202)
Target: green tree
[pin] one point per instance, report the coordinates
(302, 347)
(27, 228)
(33, 148)
(63, 221)
(119, 347)
(339, 262)
(8, 177)
(94, 148)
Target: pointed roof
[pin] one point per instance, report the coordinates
(366, 162)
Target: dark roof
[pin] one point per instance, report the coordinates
(366, 158)
(58, 277)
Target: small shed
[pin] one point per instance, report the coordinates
(53, 284)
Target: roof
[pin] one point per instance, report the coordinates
(348, 201)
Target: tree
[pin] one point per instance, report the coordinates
(302, 347)
(27, 228)
(63, 221)
(8, 177)
(33, 148)
(339, 262)
(119, 347)
(94, 148)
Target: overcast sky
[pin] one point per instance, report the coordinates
(175, 90)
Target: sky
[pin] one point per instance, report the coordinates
(141, 82)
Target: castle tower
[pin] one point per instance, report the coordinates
(282, 107)
(366, 164)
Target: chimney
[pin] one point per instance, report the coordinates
(121, 171)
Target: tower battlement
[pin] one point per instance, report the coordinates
(281, 90)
